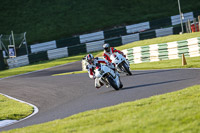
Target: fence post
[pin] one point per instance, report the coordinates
(26, 43)
(186, 27)
(189, 26)
(195, 26)
(199, 22)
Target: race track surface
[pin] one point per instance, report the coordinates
(61, 96)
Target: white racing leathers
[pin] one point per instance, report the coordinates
(108, 76)
(91, 70)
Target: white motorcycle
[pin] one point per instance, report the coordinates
(121, 64)
(108, 76)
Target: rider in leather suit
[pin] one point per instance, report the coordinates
(108, 51)
(91, 66)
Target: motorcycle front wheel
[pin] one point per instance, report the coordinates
(126, 68)
(112, 83)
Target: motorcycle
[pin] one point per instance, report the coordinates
(107, 76)
(121, 64)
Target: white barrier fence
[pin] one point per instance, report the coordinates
(18, 61)
(43, 46)
(91, 37)
(137, 27)
(94, 46)
(57, 53)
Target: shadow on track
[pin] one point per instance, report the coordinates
(152, 71)
(144, 85)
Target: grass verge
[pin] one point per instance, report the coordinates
(13, 110)
(172, 112)
(192, 62)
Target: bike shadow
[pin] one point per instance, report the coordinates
(150, 72)
(152, 84)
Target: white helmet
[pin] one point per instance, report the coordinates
(90, 58)
(106, 47)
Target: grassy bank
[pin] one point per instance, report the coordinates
(52, 20)
(173, 112)
(13, 110)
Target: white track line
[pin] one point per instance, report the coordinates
(7, 122)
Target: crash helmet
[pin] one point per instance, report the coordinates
(90, 58)
(106, 47)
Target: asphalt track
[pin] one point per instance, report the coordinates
(61, 96)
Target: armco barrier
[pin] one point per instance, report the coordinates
(18, 61)
(77, 49)
(116, 41)
(57, 53)
(137, 27)
(43, 46)
(94, 46)
(176, 19)
(97, 45)
(115, 32)
(147, 35)
(157, 52)
(130, 38)
(67, 42)
(159, 23)
(164, 32)
(177, 29)
(36, 57)
(91, 37)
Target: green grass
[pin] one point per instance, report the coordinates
(52, 20)
(192, 62)
(13, 110)
(175, 112)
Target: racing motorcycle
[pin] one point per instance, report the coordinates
(107, 76)
(121, 64)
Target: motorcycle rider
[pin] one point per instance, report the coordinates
(91, 66)
(108, 51)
